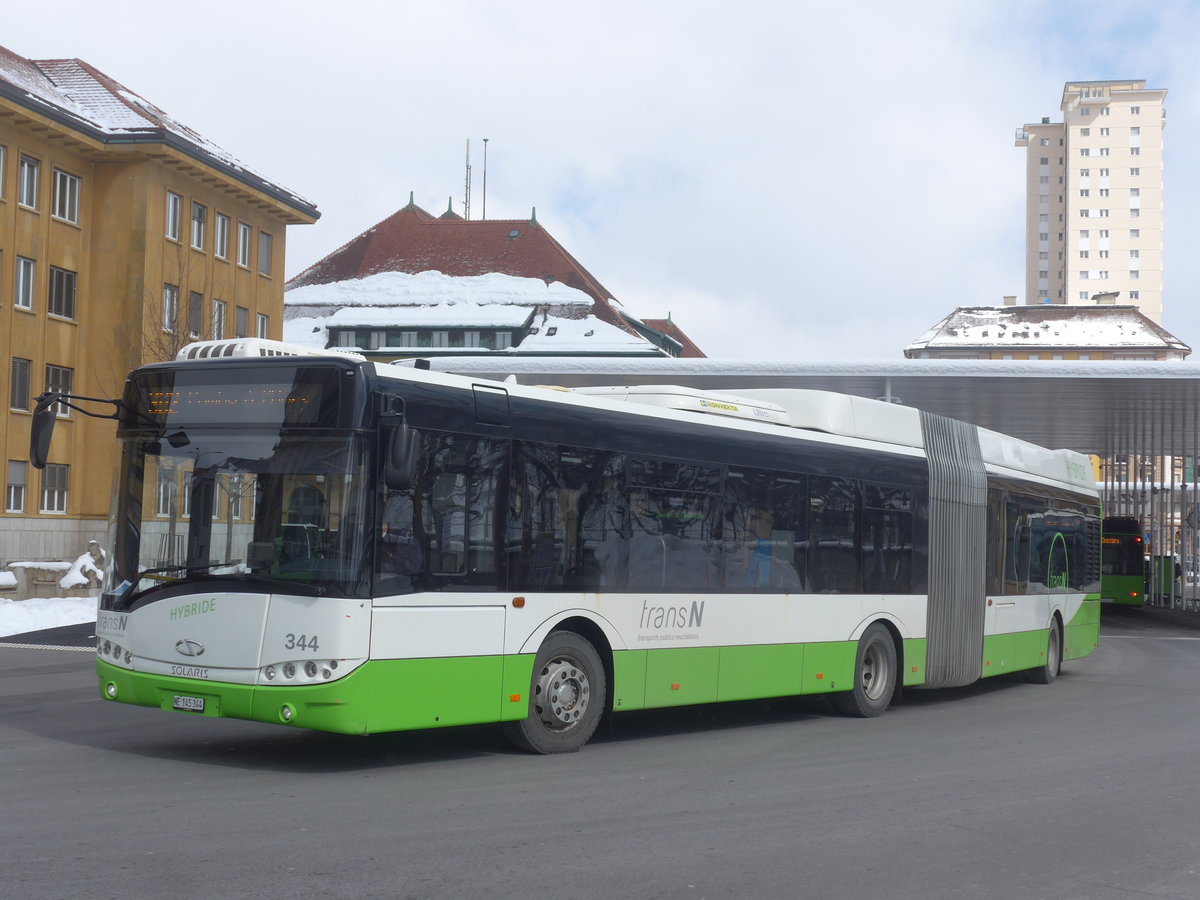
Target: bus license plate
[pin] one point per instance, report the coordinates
(192, 704)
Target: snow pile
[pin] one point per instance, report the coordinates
(20, 616)
(78, 574)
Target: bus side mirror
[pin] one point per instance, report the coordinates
(42, 429)
(400, 459)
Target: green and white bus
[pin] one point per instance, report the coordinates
(313, 539)
(1123, 562)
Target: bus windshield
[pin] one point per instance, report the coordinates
(273, 508)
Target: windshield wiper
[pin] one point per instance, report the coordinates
(190, 570)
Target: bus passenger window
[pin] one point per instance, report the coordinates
(833, 557)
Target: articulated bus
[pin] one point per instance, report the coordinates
(313, 539)
(1123, 562)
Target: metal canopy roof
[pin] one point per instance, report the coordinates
(1106, 408)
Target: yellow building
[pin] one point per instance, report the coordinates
(123, 235)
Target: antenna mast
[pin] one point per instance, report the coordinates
(485, 140)
(467, 196)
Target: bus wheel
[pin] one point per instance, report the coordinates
(1048, 671)
(874, 675)
(566, 696)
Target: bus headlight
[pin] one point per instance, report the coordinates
(269, 673)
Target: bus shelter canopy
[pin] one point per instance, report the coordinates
(1103, 408)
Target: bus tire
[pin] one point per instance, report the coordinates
(1048, 671)
(875, 673)
(566, 696)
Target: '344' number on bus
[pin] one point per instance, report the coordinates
(303, 642)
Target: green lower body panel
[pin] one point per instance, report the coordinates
(1027, 649)
(381, 695)
(645, 679)
(1082, 634)
(407, 694)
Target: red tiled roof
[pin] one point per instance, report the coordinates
(670, 329)
(411, 240)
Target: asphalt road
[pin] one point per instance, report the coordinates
(1088, 788)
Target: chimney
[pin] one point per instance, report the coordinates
(1010, 301)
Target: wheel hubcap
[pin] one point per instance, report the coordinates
(563, 693)
(875, 674)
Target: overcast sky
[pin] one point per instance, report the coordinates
(788, 180)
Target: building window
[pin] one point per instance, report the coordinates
(14, 488)
(165, 497)
(1135, 232)
(1084, 234)
(1083, 274)
(27, 181)
(440, 339)
(1135, 151)
(199, 220)
(1085, 151)
(1103, 273)
(1135, 130)
(3, 168)
(1104, 110)
(174, 211)
(1103, 192)
(187, 495)
(1085, 213)
(1103, 254)
(503, 340)
(1085, 112)
(1041, 274)
(1135, 192)
(1085, 132)
(1045, 160)
(170, 307)
(54, 488)
(1135, 254)
(195, 314)
(1135, 110)
(218, 320)
(245, 233)
(58, 381)
(18, 391)
(1083, 254)
(23, 284)
(221, 237)
(1103, 232)
(1045, 142)
(1135, 213)
(1041, 255)
(1103, 132)
(1104, 213)
(1044, 217)
(1135, 172)
(1135, 295)
(241, 322)
(1134, 274)
(1043, 235)
(1085, 192)
(264, 325)
(62, 292)
(1104, 173)
(264, 253)
(66, 197)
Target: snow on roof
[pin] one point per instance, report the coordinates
(94, 101)
(434, 288)
(434, 300)
(1048, 326)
